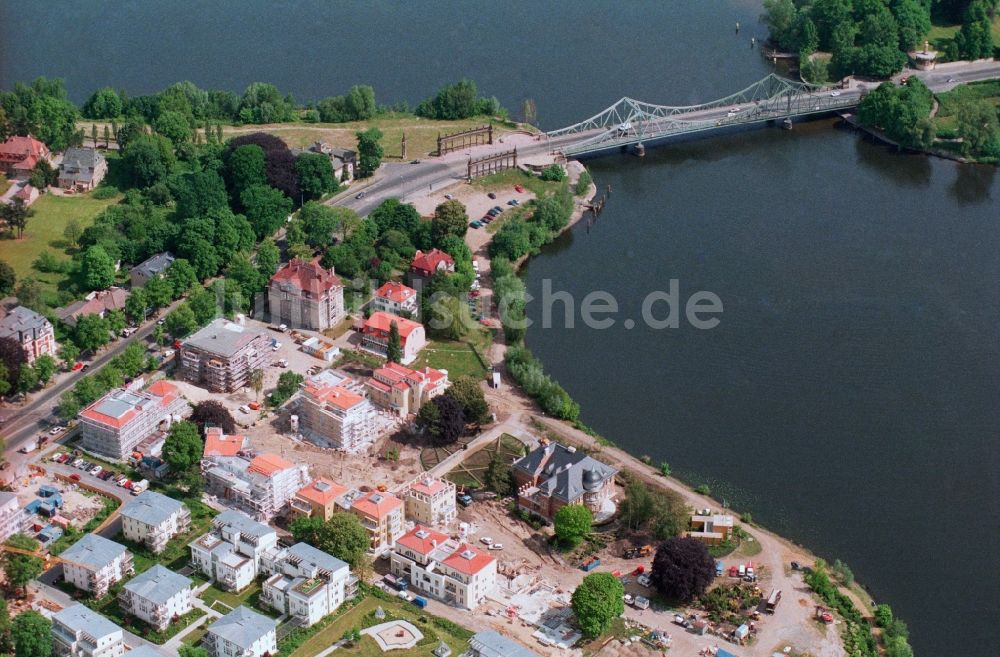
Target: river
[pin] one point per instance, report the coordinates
(848, 397)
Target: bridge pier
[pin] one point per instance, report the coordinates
(640, 150)
(787, 124)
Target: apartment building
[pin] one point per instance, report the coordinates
(375, 336)
(306, 583)
(153, 519)
(305, 295)
(401, 390)
(94, 564)
(242, 633)
(261, 486)
(77, 631)
(430, 501)
(231, 552)
(157, 597)
(13, 519)
(320, 498)
(455, 573)
(553, 475)
(333, 414)
(381, 514)
(490, 643)
(396, 299)
(220, 444)
(30, 330)
(221, 356)
(116, 423)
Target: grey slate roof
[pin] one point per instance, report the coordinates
(155, 265)
(222, 338)
(562, 473)
(21, 320)
(316, 558)
(242, 627)
(78, 164)
(151, 508)
(493, 644)
(93, 551)
(79, 617)
(158, 584)
(242, 523)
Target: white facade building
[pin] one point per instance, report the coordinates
(306, 583)
(430, 501)
(455, 573)
(231, 553)
(77, 631)
(242, 633)
(153, 519)
(94, 563)
(157, 596)
(333, 412)
(13, 519)
(261, 486)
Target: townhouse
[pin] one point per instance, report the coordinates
(231, 552)
(94, 564)
(157, 597)
(430, 501)
(306, 583)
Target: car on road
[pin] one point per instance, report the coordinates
(834, 94)
(449, 197)
(77, 366)
(486, 540)
(730, 115)
(492, 195)
(161, 321)
(86, 366)
(359, 195)
(414, 161)
(952, 80)
(56, 429)
(74, 477)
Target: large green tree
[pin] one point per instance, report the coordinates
(315, 174)
(8, 279)
(266, 208)
(342, 535)
(978, 127)
(105, 103)
(31, 634)
(91, 332)
(975, 39)
(450, 219)
(572, 524)
(682, 569)
(183, 447)
(98, 268)
(370, 151)
(245, 167)
(597, 602)
(467, 391)
(174, 126)
(21, 568)
(394, 349)
(148, 159)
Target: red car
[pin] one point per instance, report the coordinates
(518, 189)
(77, 365)
(75, 477)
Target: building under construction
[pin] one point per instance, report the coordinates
(221, 356)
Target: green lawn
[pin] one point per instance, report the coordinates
(472, 471)
(248, 596)
(507, 180)
(949, 31)
(458, 357)
(44, 232)
(363, 616)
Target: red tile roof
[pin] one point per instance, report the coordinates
(219, 444)
(377, 504)
(330, 492)
(338, 396)
(468, 560)
(426, 264)
(396, 292)
(381, 322)
(424, 543)
(307, 276)
(23, 152)
(268, 464)
(428, 486)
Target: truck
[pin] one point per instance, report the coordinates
(420, 602)
(464, 499)
(772, 600)
(398, 583)
(590, 564)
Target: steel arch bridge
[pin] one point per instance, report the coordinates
(633, 122)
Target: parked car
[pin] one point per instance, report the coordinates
(476, 224)
(492, 195)
(96, 470)
(107, 474)
(360, 195)
(244, 408)
(518, 189)
(74, 477)
(486, 540)
(56, 429)
(495, 546)
(449, 196)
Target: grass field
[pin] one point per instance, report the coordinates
(472, 471)
(511, 177)
(458, 357)
(949, 102)
(363, 616)
(232, 600)
(44, 232)
(949, 31)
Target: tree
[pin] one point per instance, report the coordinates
(780, 17)
(21, 568)
(31, 634)
(450, 424)
(268, 257)
(183, 447)
(342, 535)
(98, 268)
(597, 602)
(467, 391)
(136, 304)
(91, 332)
(315, 173)
(105, 103)
(181, 321)
(453, 101)
(8, 278)
(191, 651)
(149, 159)
(572, 524)
(682, 569)
(6, 646)
(43, 175)
(450, 219)
(213, 413)
(554, 173)
(72, 232)
(198, 193)
(159, 292)
(977, 126)
(16, 214)
(288, 383)
(68, 353)
(278, 159)
(245, 167)
(266, 208)
(45, 366)
(883, 615)
(13, 359)
(394, 350)
(181, 276)
(257, 381)
(914, 20)
(107, 137)
(370, 151)
(174, 126)
(975, 39)
(499, 476)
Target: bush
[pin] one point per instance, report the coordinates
(553, 173)
(583, 183)
(104, 192)
(528, 372)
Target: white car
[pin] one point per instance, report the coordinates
(730, 115)
(54, 430)
(834, 94)
(449, 196)
(495, 546)
(244, 408)
(486, 540)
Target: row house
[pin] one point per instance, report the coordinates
(455, 573)
(242, 633)
(320, 498)
(98, 302)
(333, 414)
(30, 330)
(375, 336)
(78, 631)
(114, 425)
(261, 486)
(231, 552)
(93, 564)
(381, 514)
(396, 299)
(553, 475)
(222, 355)
(305, 295)
(152, 519)
(158, 597)
(430, 501)
(13, 519)
(401, 390)
(305, 583)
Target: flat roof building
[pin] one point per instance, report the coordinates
(222, 355)
(118, 422)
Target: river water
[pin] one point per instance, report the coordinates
(847, 398)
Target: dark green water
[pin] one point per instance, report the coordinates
(848, 398)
